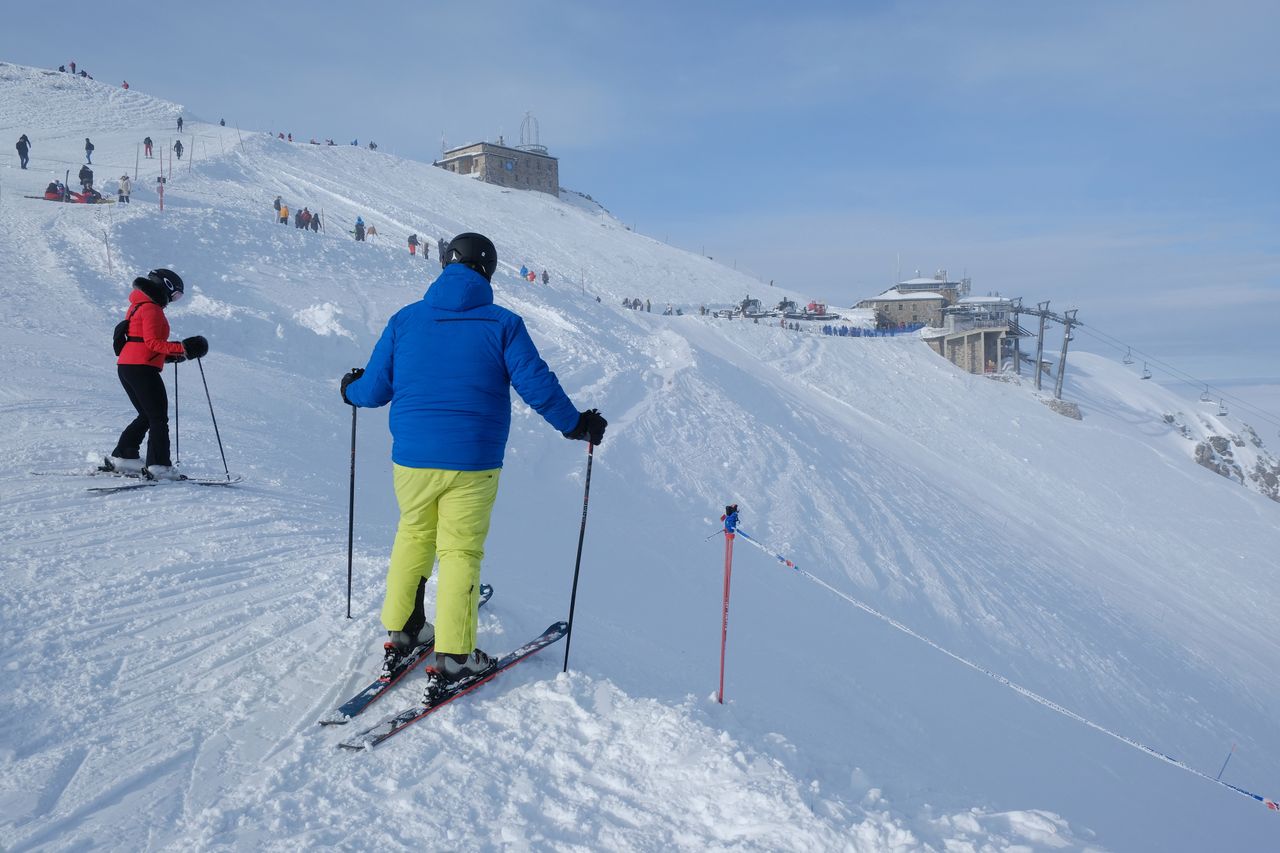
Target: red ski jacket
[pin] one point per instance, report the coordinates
(147, 321)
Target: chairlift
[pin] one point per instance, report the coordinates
(1128, 355)
(1222, 409)
(1204, 395)
(1146, 373)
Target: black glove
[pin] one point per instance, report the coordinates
(590, 427)
(355, 374)
(196, 347)
(174, 359)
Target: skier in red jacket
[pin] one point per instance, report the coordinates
(147, 347)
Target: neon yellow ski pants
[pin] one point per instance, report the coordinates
(443, 513)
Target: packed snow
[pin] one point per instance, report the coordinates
(166, 652)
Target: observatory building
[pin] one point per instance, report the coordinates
(527, 166)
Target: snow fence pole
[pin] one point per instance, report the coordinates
(730, 519)
(351, 509)
(212, 417)
(582, 532)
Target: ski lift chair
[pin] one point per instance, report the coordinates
(1222, 409)
(1204, 395)
(1146, 372)
(1128, 356)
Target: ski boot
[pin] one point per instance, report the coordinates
(398, 648)
(450, 670)
(120, 465)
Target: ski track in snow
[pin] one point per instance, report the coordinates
(167, 651)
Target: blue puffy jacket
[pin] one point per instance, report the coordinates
(447, 364)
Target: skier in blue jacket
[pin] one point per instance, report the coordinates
(447, 364)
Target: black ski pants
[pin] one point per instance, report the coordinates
(22, 157)
(146, 391)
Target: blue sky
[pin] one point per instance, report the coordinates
(1119, 158)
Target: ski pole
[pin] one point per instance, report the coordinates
(351, 509)
(177, 421)
(582, 532)
(213, 418)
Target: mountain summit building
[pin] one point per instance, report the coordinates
(528, 167)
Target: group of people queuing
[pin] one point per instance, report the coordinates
(303, 219)
(637, 305)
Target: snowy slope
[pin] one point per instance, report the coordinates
(167, 651)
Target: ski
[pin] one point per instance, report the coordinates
(229, 480)
(393, 725)
(343, 713)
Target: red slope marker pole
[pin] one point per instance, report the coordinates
(730, 519)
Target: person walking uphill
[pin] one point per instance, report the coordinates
(447, 364)
(146, 349)
(23, 146)
(88, 151)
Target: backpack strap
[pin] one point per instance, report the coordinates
(129, 319)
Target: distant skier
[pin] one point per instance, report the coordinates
(297, 219)
(315, 222)
(124, 190)
(306, 219)
(545, 278)
(359, 230)
(88, 151)
(276, 205)
(23, 146)
(177, 148)
(222, 122)
(413, 244)
(373, 146)
(140, 362)
(524, 271)
(55, 191)
(441, 245)
(146, 147)
(125, 84)
(284, 214)
(73, 66)
(86, 177)
(179, 124)
(449, 385)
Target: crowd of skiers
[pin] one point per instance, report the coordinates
(303, 219)
(637, 305)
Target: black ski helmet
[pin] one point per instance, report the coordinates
(472, 250)
(162, 285)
